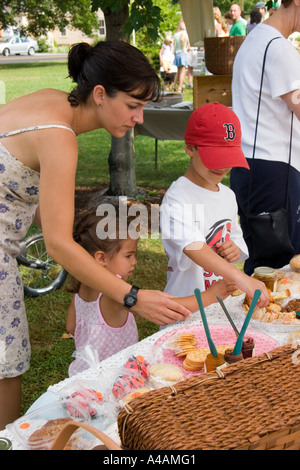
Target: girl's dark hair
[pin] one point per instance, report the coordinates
(110, 241)
(286, 3)
(85, 234)
(116, 65)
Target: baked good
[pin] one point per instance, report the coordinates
(162, 375)
(42, 438)
(221, 349)
(183, 343)
(278, 311)
(236, 293)
(135, 394)
(295, 263)
(86, 398)
(294, 338)
(195, 359)
(125, 384)
(281, 295)
(139, 364)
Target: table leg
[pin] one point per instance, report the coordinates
(156, 146)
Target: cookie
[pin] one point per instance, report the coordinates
(163, 375)
(184, 343)
(195, 359)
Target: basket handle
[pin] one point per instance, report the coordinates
(72, 426)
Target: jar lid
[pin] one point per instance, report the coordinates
(5, 444)
(264, 271)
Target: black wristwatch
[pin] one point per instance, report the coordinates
(130, 299)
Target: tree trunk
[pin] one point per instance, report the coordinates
(121, 166)
(121, 157)
(115, 21)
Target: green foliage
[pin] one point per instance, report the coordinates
(246, 5)
(43, 45)
(112, 5)
(44, 15)
(150, 19)
(170, 15)
(144, 14)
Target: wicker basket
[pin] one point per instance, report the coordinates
(250, 405)
(220, 53)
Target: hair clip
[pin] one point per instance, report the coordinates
(76, 237)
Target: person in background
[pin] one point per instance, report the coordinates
(166, 58)
(273, 9)
(280, 97)
(228, 18)
(239, 27)
(220, 23)
(181, 48)
(39, 154)
(262, 9)
(255, 18)
(193, 57)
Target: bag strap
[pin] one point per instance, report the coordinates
(256, 127)
(72, 426)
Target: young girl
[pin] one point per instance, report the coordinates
(166, 58)
(94, 318)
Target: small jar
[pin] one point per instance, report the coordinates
(212, 363)
(230, 358)
(5, 444)
(266, 275)
(248, 347)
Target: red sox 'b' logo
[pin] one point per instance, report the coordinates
(230, 131)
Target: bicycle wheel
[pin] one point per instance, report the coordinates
(41, 275)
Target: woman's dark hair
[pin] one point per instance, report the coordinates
(116, 65)
(286, 3)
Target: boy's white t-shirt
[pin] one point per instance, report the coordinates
(281, 76)
(190, 213)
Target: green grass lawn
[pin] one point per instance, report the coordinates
(51, 355)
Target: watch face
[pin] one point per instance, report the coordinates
(130, 300)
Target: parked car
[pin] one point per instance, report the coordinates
(18, 45)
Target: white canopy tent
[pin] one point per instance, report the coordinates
(198, 16)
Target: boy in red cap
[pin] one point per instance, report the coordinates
(199, 219)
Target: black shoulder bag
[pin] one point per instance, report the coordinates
(269, 230)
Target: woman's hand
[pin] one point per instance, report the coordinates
(159, 307)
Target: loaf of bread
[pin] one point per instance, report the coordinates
(43, 437)
(295, 263)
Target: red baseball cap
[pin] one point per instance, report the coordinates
(216, 132)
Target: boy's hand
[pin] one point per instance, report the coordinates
(221, 288)
(229, 251)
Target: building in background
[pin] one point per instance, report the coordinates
(69, 35)
(62, 37)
